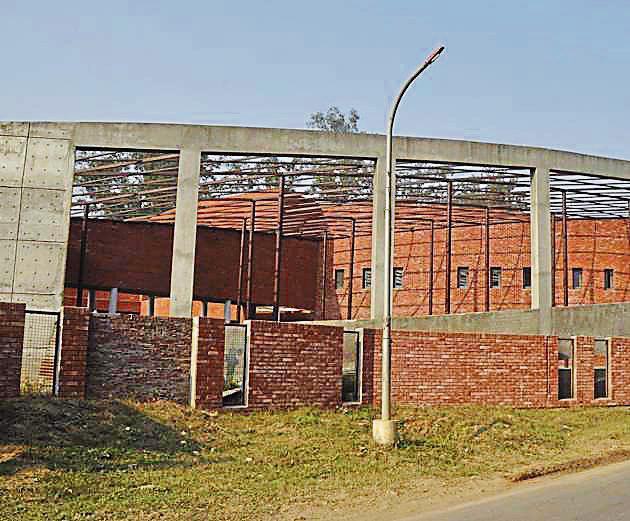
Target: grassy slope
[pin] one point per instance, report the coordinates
(114, 460)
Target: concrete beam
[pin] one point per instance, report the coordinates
(597, 320)
(185, 239)
(243, 140)
(542, 277)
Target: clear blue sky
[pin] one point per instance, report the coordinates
(553, 73)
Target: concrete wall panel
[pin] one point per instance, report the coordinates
(41, 302)
(9, 212)
(12, 156)
(39, 268)
(14, 128)
(47, 164)
(43, 215)
(7, 257)
(52, 130)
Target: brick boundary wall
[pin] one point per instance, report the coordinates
(294, 365)
(11, 344)
(464, 368)
(142, 358)
(74, 350)
(210, 348)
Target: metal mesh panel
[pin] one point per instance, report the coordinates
(38, 355)
(350, 382)
(234, 365)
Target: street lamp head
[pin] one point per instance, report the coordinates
(434, 55)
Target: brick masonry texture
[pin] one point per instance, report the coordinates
(620, 370)
(516, 370)
(440, 369)
(136, 257)
(293, 365)
(210, 363)
(593, 245)
(139, 357)
(11, 343)
(74, 348)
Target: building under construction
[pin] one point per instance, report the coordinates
(251, 224)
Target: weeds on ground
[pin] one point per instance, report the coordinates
(121, 460)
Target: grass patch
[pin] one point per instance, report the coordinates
(121, 460)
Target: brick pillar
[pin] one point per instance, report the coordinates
(74, 346)
(585, 363)
(209, 387)
(11, 341)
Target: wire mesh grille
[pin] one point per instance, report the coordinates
(234, 365)
(350, 382)
(38, 355)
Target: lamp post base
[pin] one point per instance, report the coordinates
(384, 432)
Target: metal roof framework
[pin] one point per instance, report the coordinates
(324, 195)
(331, 198)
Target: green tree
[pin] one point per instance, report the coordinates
(333, 120)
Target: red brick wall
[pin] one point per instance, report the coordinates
(620, 370)
(209, 390)
(136, 257)
(139, 357)
(11, 341)
(293, 365)
(593, 246)
(459, 368)
(74, 346)
(585, 363)
(130, 256)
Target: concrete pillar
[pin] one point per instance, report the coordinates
(227, 311)
(541, 247)
(183, 265)
(112, 308)
(379, 187)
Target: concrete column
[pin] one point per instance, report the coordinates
(112, 308)
(379, 187)
(541, 247)
(183, 265)
(227, 311)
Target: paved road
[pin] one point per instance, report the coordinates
(601, 494)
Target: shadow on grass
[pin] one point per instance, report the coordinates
(90, 436)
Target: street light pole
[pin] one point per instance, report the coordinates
(384, 430)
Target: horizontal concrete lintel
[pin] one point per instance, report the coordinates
(598, 320)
